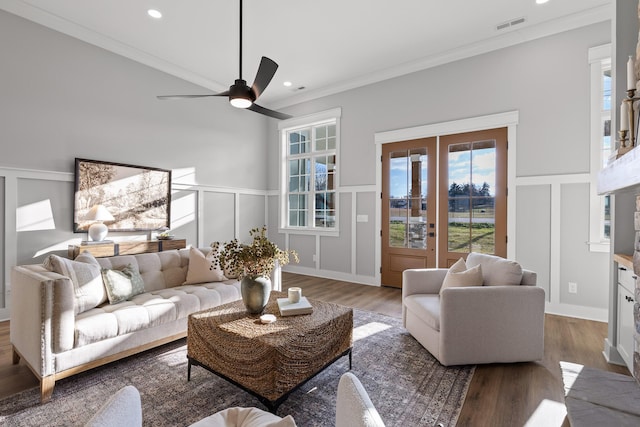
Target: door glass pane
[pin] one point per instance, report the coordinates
(483, 179)
(471, 201)
(407, 195)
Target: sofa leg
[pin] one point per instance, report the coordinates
(46, 388)
(16, 357)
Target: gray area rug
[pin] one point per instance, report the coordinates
(406, 384)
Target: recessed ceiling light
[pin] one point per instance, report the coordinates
(541, 1)
(287, 84)
(154, 13)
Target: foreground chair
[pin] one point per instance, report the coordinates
(460, 320)
(122, 409)
(353, 409)
(353, 406)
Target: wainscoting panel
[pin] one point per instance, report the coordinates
(218, 217)
(533, 228)
(251, 214)
(365, 233)
(184, 215)
(335, 251)
(3, 244)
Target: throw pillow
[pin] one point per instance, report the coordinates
(459, 276)
(201, 269)
(123, 284)
(85, 277)
(496, 271)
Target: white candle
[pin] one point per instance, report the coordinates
(294, 295)
(624, 116)
(631, 75)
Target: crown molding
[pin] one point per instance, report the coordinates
(510, 38)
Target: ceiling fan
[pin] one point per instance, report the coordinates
(240, 94)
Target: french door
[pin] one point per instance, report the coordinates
(471, 194)
(408, 208)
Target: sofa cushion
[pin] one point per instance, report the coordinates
(459, 276)
(122, 284)
(426, 307)
(201, 269)
(86, 278)
(151, 309)
(496, 271)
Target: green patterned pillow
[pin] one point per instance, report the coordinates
(123, 284)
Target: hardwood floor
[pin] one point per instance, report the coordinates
(499, 395)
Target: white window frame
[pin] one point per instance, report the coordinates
(599, 58)
(284, 126)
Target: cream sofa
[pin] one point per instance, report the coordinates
(56, 340)
(498, 319)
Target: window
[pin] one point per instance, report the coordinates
(309, 172)
(601, 144)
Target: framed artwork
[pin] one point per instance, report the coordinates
(138, 197)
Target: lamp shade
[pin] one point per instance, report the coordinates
(98, 213)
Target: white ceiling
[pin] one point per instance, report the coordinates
(324, 45)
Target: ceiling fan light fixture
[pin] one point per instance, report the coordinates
(240, 95)
(240, 102)
(154, 13)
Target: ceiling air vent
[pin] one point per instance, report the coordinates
(509, 24)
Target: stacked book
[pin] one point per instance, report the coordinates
(288, 308)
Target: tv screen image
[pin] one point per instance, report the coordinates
(138, 197)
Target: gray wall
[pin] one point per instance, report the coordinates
(547, 82)
(61, 98)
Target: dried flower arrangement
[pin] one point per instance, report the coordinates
(253, 260)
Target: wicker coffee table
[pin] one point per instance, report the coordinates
(269, 360)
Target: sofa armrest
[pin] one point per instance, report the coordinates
(513, 314)
(42, 315)
(529, 278)
(422, 281)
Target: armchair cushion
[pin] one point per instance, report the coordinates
(458, 276)
(496, 271)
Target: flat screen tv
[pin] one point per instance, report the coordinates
(138, 197)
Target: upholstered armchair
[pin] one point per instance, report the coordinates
(487, 310)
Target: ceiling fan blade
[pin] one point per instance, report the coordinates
(163, 97)
(271, 113)
(266, 71)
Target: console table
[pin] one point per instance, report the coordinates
(126, 248)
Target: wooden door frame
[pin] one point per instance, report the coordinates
(507, 119)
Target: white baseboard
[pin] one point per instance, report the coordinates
(578, 311)
(334, 275)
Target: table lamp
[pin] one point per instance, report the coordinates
(98, 231)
